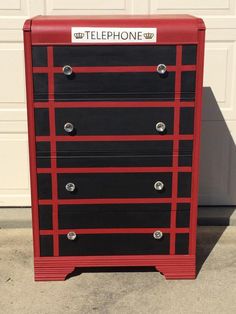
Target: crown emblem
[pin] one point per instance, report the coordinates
(79, 35)
(148, 35)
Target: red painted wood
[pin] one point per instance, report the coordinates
(171, 29)
(116, 169)
(31, 136)
(175, 147)
(98, 69)
(111, 104)
(196, 147)
(115, 201)
(114, 230)
(52, 124)
(172, 266)
(92, 138)
(41, 31)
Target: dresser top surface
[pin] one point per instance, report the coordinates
(174, 28)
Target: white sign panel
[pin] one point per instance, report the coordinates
(113, 35)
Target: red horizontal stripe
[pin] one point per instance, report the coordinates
(114, 230)
(113, 104)
(116, 169)
(104, 138)
(115, 201)
(115, 69)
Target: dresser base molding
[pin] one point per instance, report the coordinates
(58, 268)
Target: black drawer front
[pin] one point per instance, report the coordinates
(108, 148)
(114, 55)
(113, 244)
(72, 161)
(114, 185)
(109, 86)
(114, 121)
(114, 216)
(114, 154)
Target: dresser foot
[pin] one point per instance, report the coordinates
(52, 273)
(177, 271)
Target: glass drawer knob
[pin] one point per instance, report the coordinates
(71, 235)
(67, 70)
(161, 68)
(159, 186)
(160, 127)
(68, 127)
(70, 187)
(157, 234)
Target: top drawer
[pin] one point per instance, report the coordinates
(106, 55)
(114, 73)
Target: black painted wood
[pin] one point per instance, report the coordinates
(183, 215)
(114, 216)
(182, 243)
(43, 158)
(189, 54)
(108, 86)
(114, 154)
(114, 185)
(114, 121)
(184, 184)
(39, 56)
(186, 121)
(40, 82)
(46, 245)
(185, 153)
(45, 217)
(115, 55)
(115, 148)
(188, 79)
(41, 118)
(44, 186)
(72, 161)
(113, 244)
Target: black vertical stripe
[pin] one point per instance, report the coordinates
(44, 186)
(45, 217)
(41, 116)
(39, 56)
(189, 54)
(46, 245)
(182, 243)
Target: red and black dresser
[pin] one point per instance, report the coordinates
(114, 114)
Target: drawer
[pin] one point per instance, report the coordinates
(116, 55)
(113, 185)
(114, 216)
(114, 121)
(114, 85)
(113, 244)
(107, 86)
(93, 216)
(114, 154)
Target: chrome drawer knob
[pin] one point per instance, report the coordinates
(68, 127)
(157, 234)
(160, 127)
(71, 235)
(70, 187)
(67, 70)
(159, 186)
(161, 68)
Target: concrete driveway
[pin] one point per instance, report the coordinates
(120, 290)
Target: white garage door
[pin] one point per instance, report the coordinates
(218, 154)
